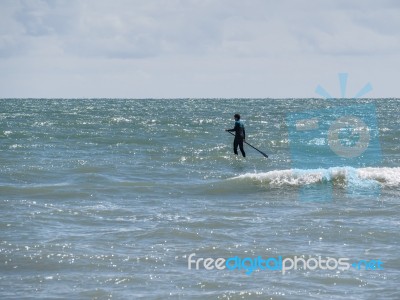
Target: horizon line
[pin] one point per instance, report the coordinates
(193, 98)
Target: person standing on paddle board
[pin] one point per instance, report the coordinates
(240, 135)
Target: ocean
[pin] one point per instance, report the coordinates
(144, 199)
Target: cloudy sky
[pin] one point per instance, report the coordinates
(197, 48)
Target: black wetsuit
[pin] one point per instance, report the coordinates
(240, 136)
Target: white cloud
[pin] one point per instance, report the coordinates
(194, 48)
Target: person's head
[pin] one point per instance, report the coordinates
(237, 117)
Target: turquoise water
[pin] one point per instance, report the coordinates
(108, 198)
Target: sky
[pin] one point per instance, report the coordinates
(197, 48)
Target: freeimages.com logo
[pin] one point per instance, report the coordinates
(338, 137)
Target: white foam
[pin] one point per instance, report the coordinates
(295, 177)
(387, 176)
(120, 119)
(15, 146)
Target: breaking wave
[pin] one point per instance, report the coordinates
(384, 176)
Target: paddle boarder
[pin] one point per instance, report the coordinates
(240, 135)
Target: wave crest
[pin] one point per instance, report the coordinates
(386, 177)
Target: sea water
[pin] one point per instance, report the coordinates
(108, 198)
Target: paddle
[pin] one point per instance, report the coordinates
(265, 155)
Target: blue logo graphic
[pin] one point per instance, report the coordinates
(343, 86)
(340, 139)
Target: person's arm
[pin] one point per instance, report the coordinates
(244, 133)
(236, 128)
(233, 129)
